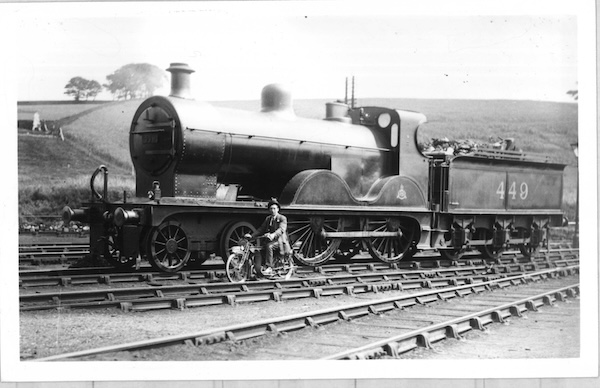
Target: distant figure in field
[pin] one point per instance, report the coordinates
(60, 134)
(37, 124)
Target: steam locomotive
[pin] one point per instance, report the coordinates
(355, 180)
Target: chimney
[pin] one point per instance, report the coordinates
(180, 80)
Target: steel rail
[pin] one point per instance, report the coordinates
(50, 257)
(315, 318)
(23, 250)
(45, 253)
(48, 244)
(454, 328)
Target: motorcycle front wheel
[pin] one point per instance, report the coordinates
(237, 268)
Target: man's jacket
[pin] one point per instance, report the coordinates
(277, 225)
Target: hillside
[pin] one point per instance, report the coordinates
(54, 110)
(99, 134)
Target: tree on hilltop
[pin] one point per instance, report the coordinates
(136, 80)
(93, 89)
(81, 88)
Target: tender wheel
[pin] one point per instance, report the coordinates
(308, 244)
(450, 254)
(112, 251)
(231, 235)
(489, 251)
(527, 250)
(168, 248)
(390, 249)
(237, 268)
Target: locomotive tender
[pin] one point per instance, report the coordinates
(356, 179)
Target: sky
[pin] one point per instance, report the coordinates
(236, 49)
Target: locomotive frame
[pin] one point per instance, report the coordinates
(353, 181)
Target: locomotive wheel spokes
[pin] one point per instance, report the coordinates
(389, 249)
(112, 251)
(308, 244)
(231, 235)
(168, 248)
(237, 268)
(489, 251)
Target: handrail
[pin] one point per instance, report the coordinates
(96, 195)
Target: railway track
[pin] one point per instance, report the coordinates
(158, 291)
(215, 271)
(198, 295)
(51, 253)
(455, 328)
(191, 295)
(375, 327)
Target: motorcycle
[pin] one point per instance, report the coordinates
(240, 264)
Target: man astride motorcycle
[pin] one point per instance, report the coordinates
(274, 230)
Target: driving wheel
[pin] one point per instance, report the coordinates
(390, 249)
(309, 245)
(231, 235)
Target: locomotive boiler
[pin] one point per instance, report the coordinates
(355, 180)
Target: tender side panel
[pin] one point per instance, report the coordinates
(535, 189)
(497, 185)
(475, 188)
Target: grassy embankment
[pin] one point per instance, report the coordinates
(54, 173)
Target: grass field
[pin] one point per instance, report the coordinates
(51, 171)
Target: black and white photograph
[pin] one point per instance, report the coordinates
(299, 192)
